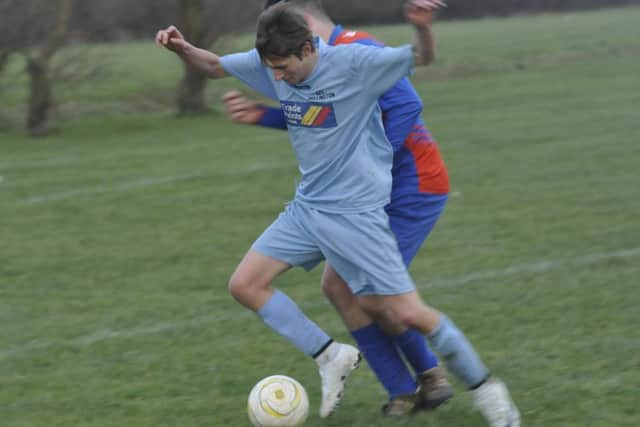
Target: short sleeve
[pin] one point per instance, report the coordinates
(379, 68)
(247, 67)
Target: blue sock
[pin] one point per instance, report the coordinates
(385, 360)
(461, 358)
(414, 347)
(282, 315)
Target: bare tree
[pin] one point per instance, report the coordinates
(36, 29)
(10, 22)
(202, 23)
(39, 62)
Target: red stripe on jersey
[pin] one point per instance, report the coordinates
(322, 116)
(347, 37)
(430, 168)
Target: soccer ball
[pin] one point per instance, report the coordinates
(278, 401)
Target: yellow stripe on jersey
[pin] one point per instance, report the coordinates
(311, 115)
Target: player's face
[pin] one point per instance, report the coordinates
(292, 69)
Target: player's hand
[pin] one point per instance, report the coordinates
(241, 109)
(420, 12)
(172, 39)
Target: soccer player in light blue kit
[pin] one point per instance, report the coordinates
(420, 186)
(329, 95)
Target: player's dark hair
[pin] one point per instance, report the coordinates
(282, 31)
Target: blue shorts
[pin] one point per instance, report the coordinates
(412, 217)
(361, 247)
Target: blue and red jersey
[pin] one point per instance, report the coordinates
(418, 169)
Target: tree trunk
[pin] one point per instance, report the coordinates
(4, 59)
(191, 99)
(40, 99)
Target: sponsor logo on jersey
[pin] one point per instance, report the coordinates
(309, 114)
(322, 95)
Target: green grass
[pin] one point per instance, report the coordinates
(119, 232)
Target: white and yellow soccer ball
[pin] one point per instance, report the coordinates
(278, 401)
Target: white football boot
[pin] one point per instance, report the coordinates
(335, 364)
(493, 400)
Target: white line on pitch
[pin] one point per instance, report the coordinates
(141, 183)
(107, 334)
(148, 182)
(534, 267)
(72, 160)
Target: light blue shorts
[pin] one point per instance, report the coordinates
(361, 247)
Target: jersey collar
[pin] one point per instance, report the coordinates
(337, 30)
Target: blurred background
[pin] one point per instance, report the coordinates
(52, 43)
(127, 198)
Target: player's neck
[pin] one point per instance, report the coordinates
(322, 29)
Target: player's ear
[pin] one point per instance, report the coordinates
(307, 49)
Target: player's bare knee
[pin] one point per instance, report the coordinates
(398, 315)
(241, 286)
(408, 318)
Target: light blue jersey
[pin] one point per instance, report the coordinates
(335, 124)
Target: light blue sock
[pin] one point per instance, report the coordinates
(458, 353)
(282, 315)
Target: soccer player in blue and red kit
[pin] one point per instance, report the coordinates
(418, 196)
(329, 96)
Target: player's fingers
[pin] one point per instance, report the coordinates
(238, 101)
(164, 36)
(415, 5)
(233, 106)
(160, 37)
(239, 117)
(171, 32)
(426, 4)
(176, 32)
(230, 95)
(234, 100)
(238, 106)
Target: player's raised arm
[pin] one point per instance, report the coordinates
(202, 60)
(420, 14)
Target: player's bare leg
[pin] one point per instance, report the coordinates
(251, 286)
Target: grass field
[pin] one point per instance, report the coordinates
(119, 232)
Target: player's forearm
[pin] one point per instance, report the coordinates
(425, 46)
(203, 61)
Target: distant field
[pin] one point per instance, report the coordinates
(119, 232)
